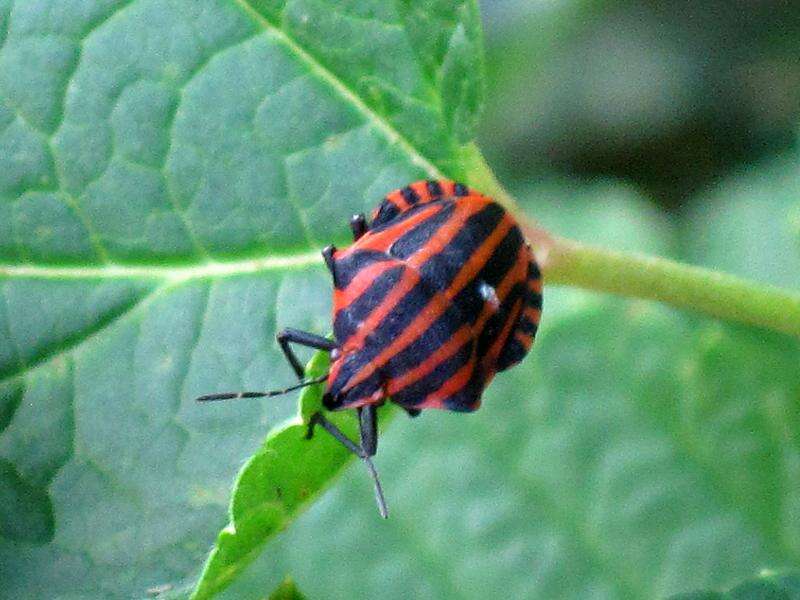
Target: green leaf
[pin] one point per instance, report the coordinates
(607, 213)
(525, 49)
(768, 586)
(284, 476)
(274, 485)
(168, 174)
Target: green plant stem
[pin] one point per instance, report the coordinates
(713, 293)
(567, 262)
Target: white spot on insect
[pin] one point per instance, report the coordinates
(489, 294)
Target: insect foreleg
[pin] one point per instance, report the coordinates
(302, 338)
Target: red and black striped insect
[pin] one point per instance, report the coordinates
(434, 297)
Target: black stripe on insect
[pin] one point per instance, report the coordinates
(409, 195)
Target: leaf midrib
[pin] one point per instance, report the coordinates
(166, 278)
(166, 273)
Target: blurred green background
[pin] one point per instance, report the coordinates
(670, 95)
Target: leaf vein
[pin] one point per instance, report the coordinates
(175, 273)
(393, 136)
(69, 344)
(12, 340)
(199, 327)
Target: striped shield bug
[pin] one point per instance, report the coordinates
(434, 297)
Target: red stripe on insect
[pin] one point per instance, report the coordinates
(421, 189)
(448, 187)
(494, 351)
(378, 241)
(397, 199)
(534, 314)
(502, 291)
(343, 298)
(523, 339)
(447, 350)
(450, 387)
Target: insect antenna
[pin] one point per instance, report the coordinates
(269, 394)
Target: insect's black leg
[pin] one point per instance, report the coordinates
(412, 412)
(358, 224)
(368, 425)
(303, 338)
(368, 417)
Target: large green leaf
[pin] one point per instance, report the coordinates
(168, 173)
(638, 452)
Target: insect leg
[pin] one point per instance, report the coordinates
(367, 418)
(358, 225)
(303, 338)
(368, 425)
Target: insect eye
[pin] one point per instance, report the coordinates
(335, 353)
